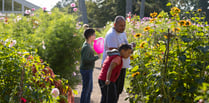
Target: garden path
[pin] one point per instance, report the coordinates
(96, 93)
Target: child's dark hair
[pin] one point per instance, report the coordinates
(124, 47)
(88, 33)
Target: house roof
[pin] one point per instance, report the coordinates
(49, 4)
(27, 4)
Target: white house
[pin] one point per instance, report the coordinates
(16, 6)
(19, 6)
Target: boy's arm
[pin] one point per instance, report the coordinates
(109, 72)
(86, 56)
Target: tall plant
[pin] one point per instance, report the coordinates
(170, 59)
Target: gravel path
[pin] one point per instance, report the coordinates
(96, 94)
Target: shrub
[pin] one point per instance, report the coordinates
(61, 41)
(56, 38)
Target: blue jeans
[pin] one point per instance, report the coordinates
(87, 82)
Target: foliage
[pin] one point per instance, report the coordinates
(17, 78)
(204, 93)
(61, 35)
(150, 6)
(23, 74)
(170, 61)
(203, 4)
(186, 5)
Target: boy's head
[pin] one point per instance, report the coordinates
(85, 26)
(89, 34)
(125, 50)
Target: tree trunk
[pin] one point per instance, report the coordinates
(142, 9)
(203, 4)
(128, 6)
(82, 7)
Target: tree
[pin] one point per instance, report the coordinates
(120, 6)
(142, 9)
(187, 5)
(128, 6)
(82, 8)
(150, 6)
(203, 4)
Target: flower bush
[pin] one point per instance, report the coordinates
(25, 41)
(170, 60)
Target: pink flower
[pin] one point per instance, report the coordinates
(27, 11)
(13, 42)
(23, 100)
(43, 46)
(74, 74)
(2, 18)
(201, 101)
(44, 8)
(33, 9)
(72, 5)
(129, 13)
(31, 14)
(49, 13)
(128, 18)
(75, 9)
(77, 68)
(55, 92)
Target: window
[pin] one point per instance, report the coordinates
(26, 8)
(17, 6)
(7, 5)
(1, 5)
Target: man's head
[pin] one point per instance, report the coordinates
(89, 34)
(125, 50)
(119, 24)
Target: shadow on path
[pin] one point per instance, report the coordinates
(77, 100)
(99, 68)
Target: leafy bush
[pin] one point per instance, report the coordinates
(62, 40)
(203, 93)
(53, 35)
(17, 79)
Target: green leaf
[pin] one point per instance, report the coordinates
(186, 39)
(75, 92)
(203, 49)
(135, 68)
(169, 4)
(182, 58)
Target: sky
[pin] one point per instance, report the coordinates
(49, 4)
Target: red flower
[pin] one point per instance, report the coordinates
(23, 100)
